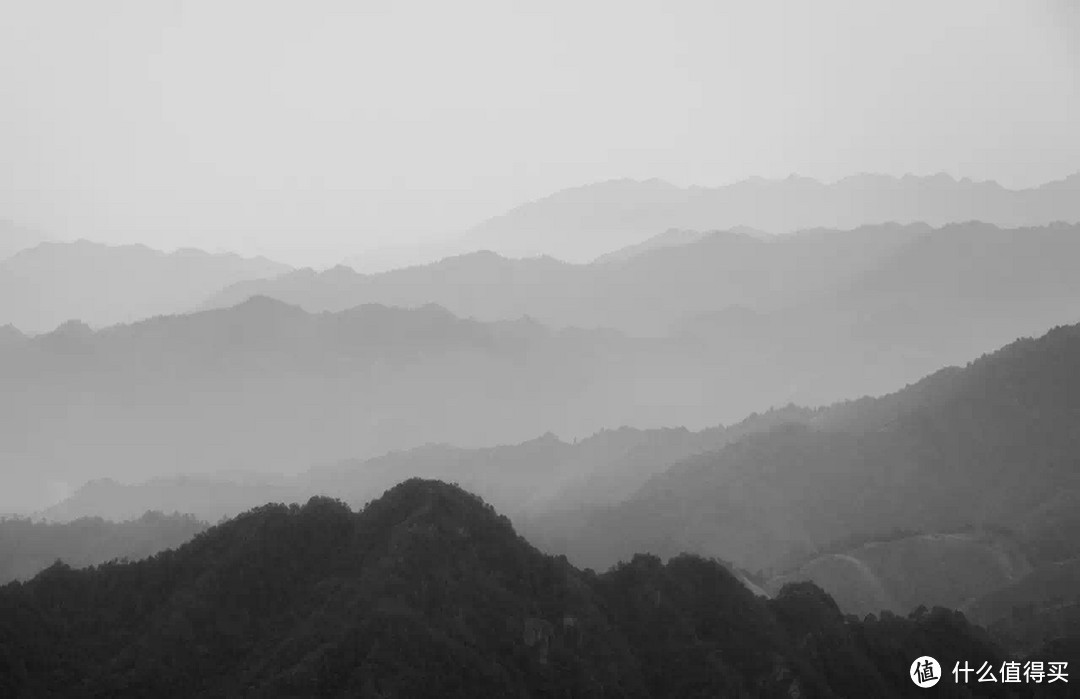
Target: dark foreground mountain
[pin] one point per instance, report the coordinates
(27, 547)
(427, 592)
(44, 286)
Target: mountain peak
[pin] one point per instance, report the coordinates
(264, 305)
(419, 510)
(72, 330)
(423, 492)
(339, 272)
(9, 334)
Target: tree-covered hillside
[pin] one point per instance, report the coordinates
(428, 592)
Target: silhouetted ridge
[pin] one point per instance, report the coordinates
(434, 503)
(429, 592)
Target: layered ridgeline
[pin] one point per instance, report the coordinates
(427, 592)
(44, 286)
(520, 480)
(644, 289)
(836, 276)
(961, 490)
(582, 223)
(810, 318)
(207, 497)
(27, 547)
(959, 485)
(993, 443)
(268, 387)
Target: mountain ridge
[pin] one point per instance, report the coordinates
(101, 285)
(428, 591)
(582, 223)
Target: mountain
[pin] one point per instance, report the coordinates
(649, 292)
(582, 223)
(207, 497)
(673, 237)
(933, 301)
(428, 592)
(270, 388)
(903, 301)
(101, 285)
(521, 479)
(479, 285)
(28, 547)
(876, 290)
(526, 477)
(992, 445)
(810, 318)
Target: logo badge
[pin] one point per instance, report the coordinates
(925, 672)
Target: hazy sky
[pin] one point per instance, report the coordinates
(311, 130)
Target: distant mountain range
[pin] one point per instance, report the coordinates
(100, 285)
(877, 308)
(882, 276)
(810, 318)
(662, 254)
(27, 547)
(209, 498)
(522, 479)
(429, 592)
(268, 387)
(583, 223)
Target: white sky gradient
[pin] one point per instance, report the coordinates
(309, 131)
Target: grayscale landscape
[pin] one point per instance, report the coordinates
(598, 351)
